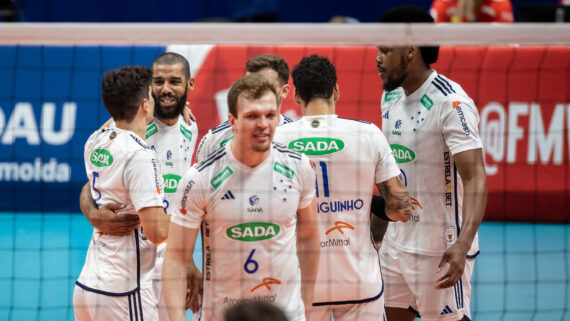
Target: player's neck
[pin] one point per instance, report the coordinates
(247, 156)
(168, 121)
(415, 80)
(318, 107)
(137, 126)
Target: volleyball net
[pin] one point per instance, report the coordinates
(518, 75)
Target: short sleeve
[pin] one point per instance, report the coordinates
(190, 202)
(386, 166)
(307, 180)
(143, 179)
(459, 125)
(201, 151)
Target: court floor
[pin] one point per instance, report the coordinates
(522, 273)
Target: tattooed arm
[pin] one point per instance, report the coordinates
(394, 192)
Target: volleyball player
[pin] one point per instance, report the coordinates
(116, 280)
(272, 67)
(431, 125)
(173, 140)
(349, 156)
(255, 204)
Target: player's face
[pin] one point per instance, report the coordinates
(273, 77)
(150, 115)
(391, 67)
(170, 88)
(255, 123)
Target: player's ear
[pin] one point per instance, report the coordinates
(284, 92)
(336, 93)
(296, 97)
(190, 85)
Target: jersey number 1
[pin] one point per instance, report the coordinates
(325, 177)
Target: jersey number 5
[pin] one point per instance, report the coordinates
(95, 175)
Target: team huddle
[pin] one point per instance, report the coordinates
(284, 207)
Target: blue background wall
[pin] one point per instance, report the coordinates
(196, 10)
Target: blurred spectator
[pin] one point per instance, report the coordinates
(254, 10)
(343, 19)
(254, 311)
(472, 11)
(8, 11)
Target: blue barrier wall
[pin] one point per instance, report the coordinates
(49, 105)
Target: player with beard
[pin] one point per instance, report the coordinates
(432, 127)
(173, 140)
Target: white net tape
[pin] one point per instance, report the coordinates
(284, 34)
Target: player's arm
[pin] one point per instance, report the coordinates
(105, 218)
(471, 168)
(397, 199)
(175, 273)
(308, 251)
(155, 223)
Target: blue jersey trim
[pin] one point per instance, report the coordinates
(286, 120)
(456, 199)
(471, 257)
(211, 159)
(438, 87)
(139, 142)
(416, 312)
(86, 288)
(374, 298)
(282, 149)
(445, 83)
(221, 127)
(130, 309)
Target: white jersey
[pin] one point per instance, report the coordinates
(248, 218)
(349, 157)
(425, 130)
(124, 170)
(174, 146)
(218, 136)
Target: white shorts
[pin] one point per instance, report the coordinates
(409, 283)
(369, 311)
(91, 306)
(157, 289)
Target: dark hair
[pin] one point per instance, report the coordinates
(124, 89)
(250, 86)
(269, 61)
(314, 77)
(254, 311)
(412, 14)
(172, 58)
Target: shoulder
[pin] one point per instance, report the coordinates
(211, 161)
(444, 91)
(220, 128)
(285, 154)
(285, 120)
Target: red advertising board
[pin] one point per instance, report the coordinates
(522, 93)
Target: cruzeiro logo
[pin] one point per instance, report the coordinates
(170, 183)
(398, 124)
(254, 200)
(101, 158)
(317, 145)
(402, 154)
(253, 231)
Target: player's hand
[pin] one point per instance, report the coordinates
(106, 220)
(193, 288)
(467, 9)
(189, 118)
(451, 265)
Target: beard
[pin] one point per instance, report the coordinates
(394, 82)
(169, 112)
